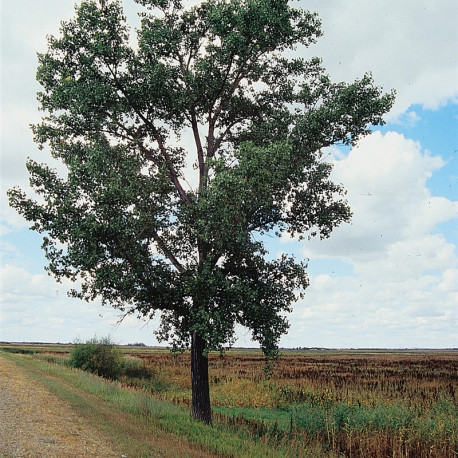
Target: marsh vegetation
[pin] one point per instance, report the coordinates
(312, 403)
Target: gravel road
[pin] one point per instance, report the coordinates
(34, 422)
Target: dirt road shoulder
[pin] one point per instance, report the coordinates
(34, 422)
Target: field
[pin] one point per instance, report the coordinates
(310, 403)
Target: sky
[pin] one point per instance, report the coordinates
(387, 280)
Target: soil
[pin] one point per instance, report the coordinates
(34, 422)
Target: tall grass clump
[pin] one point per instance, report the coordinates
(99, 356)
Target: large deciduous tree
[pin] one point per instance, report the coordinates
(129, 225)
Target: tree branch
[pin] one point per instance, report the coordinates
(200, 151)
(212, 144)
(172, 172)
(167, 252)
(168, 161)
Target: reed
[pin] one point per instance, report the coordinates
(351, 403)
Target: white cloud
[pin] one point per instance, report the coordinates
(403, 284)
(402, 289)
(409, 119)
(409, 45)
(449, 282)
(370, 311)
(385, 176)
(33, 307)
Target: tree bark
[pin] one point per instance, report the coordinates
(199, 380)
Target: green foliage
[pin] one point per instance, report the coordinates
(139, 375)
(159, 416)
(126, 224)
(131, 230)
(327, 423)
(23, 351)
(99, 356)
(312, 428)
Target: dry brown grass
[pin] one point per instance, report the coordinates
(348, 392)
(413, 378)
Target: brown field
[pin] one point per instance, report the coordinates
(365, 378)
(337, 403)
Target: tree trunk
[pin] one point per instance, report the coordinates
(199, 379)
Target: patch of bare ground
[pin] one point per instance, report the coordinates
(34, 422)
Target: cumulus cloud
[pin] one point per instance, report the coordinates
(449, 282)
(369, 310)
(410, 46)
(396, 284)
(404, 272)
(386, 179)
(36, 308)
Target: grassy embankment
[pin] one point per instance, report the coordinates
(133, 419)
(314, 403)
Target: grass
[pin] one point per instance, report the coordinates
(369, 431)
(348, 403)
(135, 421)
(320, 404)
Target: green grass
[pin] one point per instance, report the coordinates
(80, 389)
(20, 351)
(441, 420)
(338, 422)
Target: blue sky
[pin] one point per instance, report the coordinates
(389, 279)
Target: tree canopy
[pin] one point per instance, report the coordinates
(128, 223)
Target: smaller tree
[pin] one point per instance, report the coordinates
(99, 356)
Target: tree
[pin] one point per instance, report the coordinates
(98, 355)
(126, 224)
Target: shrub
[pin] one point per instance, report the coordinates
(99, 356)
